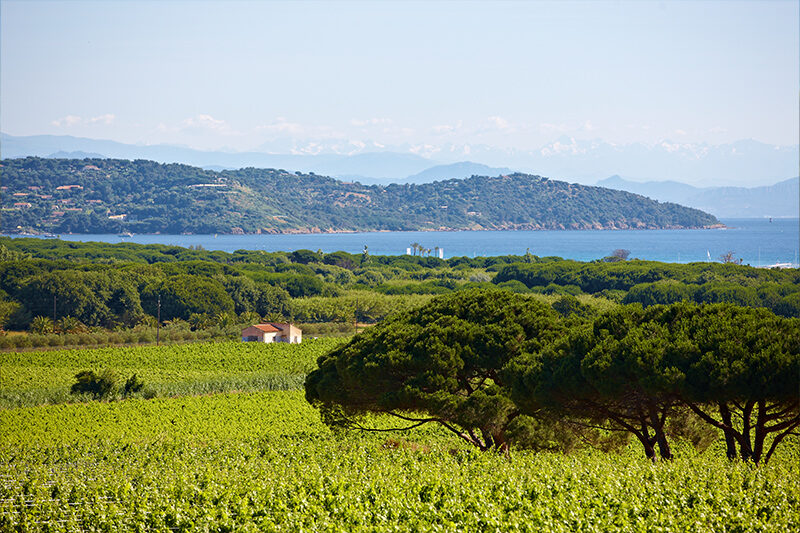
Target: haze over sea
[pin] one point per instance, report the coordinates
(758, 242)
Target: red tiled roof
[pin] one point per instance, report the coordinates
(266, 327)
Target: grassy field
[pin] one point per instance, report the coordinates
(32, 378)
(263, 461)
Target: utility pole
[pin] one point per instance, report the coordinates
(158, 321)
(54, 310)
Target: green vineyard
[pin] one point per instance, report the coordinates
(31, 378)
(263, 460)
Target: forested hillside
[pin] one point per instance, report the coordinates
(109, 196)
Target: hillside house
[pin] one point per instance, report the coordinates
(273, 332)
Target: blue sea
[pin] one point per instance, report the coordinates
(758, 242)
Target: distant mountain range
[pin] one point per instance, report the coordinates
(386, 165)
(745, 163)
(460, 170)
(779, 200)
(742, 163)
(75, 155)
(113, 195)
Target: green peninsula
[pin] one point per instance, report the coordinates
(112, 196)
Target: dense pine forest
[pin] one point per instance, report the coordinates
(111, 196)
(201, 288)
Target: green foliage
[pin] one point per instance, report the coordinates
(416, 288)
(41, 325)
(100, 386)
(732, 293)
(132, 385)
(172, 198)
(183, 295)
(569, 306)
(69, 324)
(301, 286)
(514, 286)
(652, 283)
(633, 368)
(364, 306)
(441, 360)
(264, 460)
(9, 310)
(341, 259)
(94, 298)
(32, 378)
(475, 360)
(789, 305)
(11, 255)
(305, 256)
(659, 293)
(742, 373)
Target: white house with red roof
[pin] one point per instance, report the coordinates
(273, 332)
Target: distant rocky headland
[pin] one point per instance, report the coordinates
(118, 196)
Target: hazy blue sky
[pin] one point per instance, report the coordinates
(211, 75)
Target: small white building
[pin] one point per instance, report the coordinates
(273, 332)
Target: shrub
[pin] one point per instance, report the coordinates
(99, 386)
(370, 278)
(789, 306)
(569, 305)
(553, 288)
(659, 292)
(514, 286)
(71, 339)
(41, 325)
(37, 341)
(728, 293)
(132, 385)
(22, 341)
(55, 340)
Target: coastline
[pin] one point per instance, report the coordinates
(330, 231)
(756, 240)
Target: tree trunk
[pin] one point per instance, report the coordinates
(649, 451)
(647, 442)
(746, 448)
(761, 432)
(488, 440)
(657, 424)
(663, 446)
(500, 443)
(730, 439)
